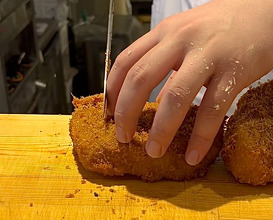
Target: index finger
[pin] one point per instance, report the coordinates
(123, 63)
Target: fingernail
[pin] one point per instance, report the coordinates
(121, 135)
(153, 149)
(192, 157)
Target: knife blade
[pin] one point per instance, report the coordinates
(107, 55)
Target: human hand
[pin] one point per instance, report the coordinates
(224, 44)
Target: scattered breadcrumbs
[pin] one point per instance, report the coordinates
(107, 201)
(76, 191)
(113, 210)
(69, 196)
(31, 204)
(112, 190)
(67, 167)
(96, 194)
(83, 181)
(46, 168)
(143, 212)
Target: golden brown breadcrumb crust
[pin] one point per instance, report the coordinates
(248, 141)
(95, 142)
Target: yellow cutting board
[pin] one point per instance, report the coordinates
(41, 179)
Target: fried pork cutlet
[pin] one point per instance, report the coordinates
(248, 141)
(98, 150)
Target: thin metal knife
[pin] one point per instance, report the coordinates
(108, 53)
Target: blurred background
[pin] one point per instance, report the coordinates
(52, 49)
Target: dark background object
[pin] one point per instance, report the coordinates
(141, 7)
(91, 46)
(27, 84)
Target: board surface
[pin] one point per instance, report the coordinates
(41, 178)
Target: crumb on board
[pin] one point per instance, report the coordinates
(107, 201)
(143, 212)
(76, 191)
(96, 194)
(112, 190)
(46, 168)
(69, 196)
(113, 211)
(56, 156)
(131, 197)
(91, 191)
(83, 181)
(67, 167)
(31, 204)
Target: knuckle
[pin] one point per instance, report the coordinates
(160, 133)
(178, 94)
(210, 112)
(204, 140)
(119, 61)
(163, 24)
(137, 75)
(120, 117)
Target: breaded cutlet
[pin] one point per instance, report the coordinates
(248, 141)
(95, 142)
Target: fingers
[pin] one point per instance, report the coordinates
(175, 103)
(123, 64)
(216, 102)
(148, 72)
